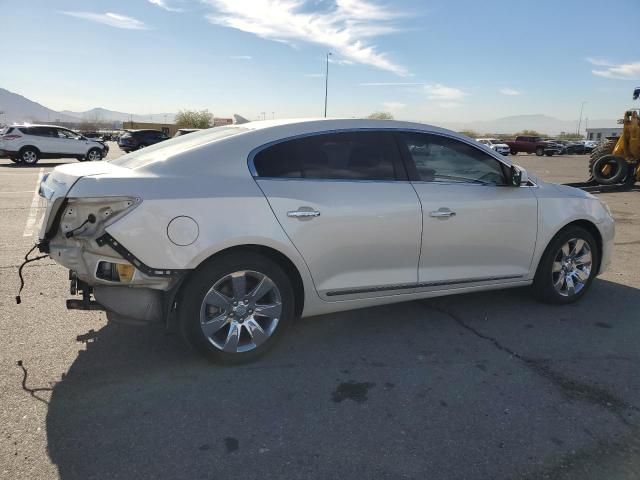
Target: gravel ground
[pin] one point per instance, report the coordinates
(480, 386)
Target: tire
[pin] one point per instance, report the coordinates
(93, 155)
(142, 145)
(539, 151)
(547, 274)
(618, 164)
(29, 156)
(214, 280)
(514, 152)
(549, 154)
(605, 148)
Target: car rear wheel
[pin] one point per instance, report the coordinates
(539, 151)
(29, 156)
(235, 308)
(94, 155)
(513, 152)
(568, 267)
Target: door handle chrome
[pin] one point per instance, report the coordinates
(303, 213)
(442, 213)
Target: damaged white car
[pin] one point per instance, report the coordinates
(233, 232)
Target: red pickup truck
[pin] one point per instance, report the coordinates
(527, 144)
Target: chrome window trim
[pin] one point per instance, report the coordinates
(493, 154)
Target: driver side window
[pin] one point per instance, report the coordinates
(447, 160)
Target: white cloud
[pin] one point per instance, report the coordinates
(622, 71)
(510, 91)
(163, 4)
(240, 57)
(112, 19)
(394, 106)
(345, 29)
(445, 97)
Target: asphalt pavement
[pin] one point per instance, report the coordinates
(478, 386)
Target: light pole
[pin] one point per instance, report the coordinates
(580, 119)
(326, 85)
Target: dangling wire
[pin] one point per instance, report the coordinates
(26, 261)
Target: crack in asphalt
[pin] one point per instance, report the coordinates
(570, 388)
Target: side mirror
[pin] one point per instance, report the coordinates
(519, 176)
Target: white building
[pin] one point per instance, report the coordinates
(600, 133)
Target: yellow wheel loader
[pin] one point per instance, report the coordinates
(617, 161)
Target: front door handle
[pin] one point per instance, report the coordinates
(442, 213)
(303, 213)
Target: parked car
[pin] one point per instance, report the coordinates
(579, 148)
(558, 147)
(495, 144)
(135, 139)
(235, 231)
(28, 143)
(590, 144)
(184, 131)
(529, 144)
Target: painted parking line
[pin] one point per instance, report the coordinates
(35, 207)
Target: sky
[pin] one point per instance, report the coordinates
(438, 60)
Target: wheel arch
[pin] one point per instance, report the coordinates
(24, 147)
(589, 226)
(278, 257)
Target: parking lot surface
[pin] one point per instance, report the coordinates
(479, 386)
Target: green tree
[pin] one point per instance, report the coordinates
(570, 136)
(380, 116)
(531, 133)
(194, 119)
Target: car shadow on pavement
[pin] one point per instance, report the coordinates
(416, 389)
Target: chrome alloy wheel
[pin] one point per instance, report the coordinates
(94, 155)
(30, 157)
(240, 311)
(572, 267)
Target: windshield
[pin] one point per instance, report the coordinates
(163, 150)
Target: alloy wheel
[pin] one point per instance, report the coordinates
(572, 267)
(29, 157)
(241, 311)
(94, 156)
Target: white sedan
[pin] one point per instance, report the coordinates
(233, 232)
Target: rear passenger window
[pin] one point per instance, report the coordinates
(332, 156)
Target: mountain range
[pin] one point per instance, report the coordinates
(17, 108)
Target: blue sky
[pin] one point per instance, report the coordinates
(430, 60)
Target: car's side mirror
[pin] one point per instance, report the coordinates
(518, 176)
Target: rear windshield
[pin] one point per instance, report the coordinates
(163, 150)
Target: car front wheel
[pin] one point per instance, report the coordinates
(236, 307)
(94, 155)
(539, 151)
(568, 266)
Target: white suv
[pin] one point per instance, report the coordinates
(29, 143)
(495, 144)
(235, 231)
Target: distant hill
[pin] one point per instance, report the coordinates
(17, 108)
(102, 114)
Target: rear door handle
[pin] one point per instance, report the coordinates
(303, 212)
(442, 213)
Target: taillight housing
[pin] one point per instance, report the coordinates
(10, 137)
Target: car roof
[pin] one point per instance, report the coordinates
(18, 125)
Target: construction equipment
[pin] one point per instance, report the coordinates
(617, 161)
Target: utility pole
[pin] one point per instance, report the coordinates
(326, 85)
(580, 119)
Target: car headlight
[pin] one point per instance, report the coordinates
(86, 217)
